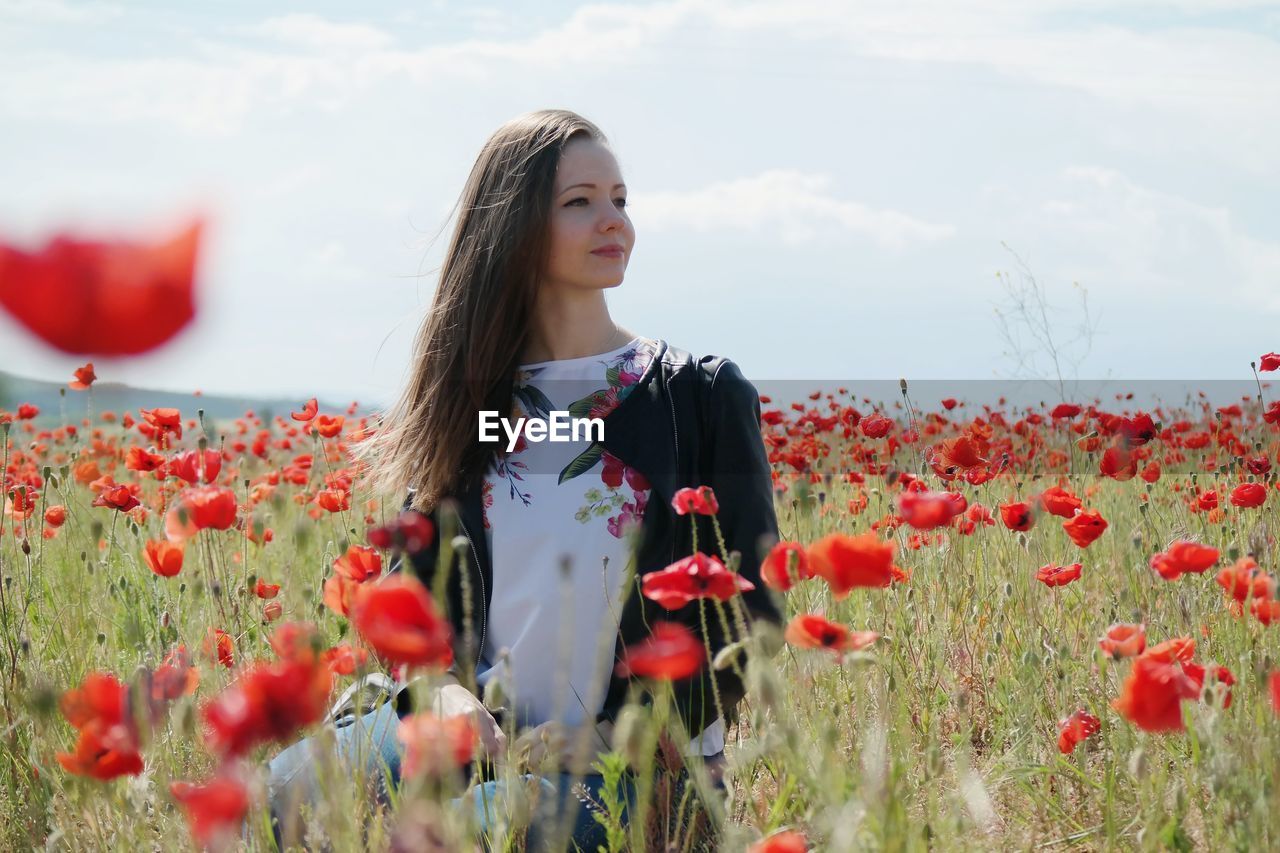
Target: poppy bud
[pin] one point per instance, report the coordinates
(164, 619)
(26, 547)
(102, 638)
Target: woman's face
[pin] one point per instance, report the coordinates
(586, 219)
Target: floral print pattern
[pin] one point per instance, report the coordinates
(622, 493)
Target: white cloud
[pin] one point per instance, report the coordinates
(793, 205)
(315, 32)
(1121, 236)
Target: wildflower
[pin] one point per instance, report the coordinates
(701, 501)
(163, 557)
(1184, 557)
(1053, 575)
(1074, 729)
(813, 631)
(1018, 516)
(1152, 695)
(670, 653)
(102, 298)
(1085, 527)
(84, 378)
(846, 562)
(308, 412)
(1124, 640)
(776, 568)
(693, 577)
(399, 620)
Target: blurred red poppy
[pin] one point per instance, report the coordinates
(328, 425)
(191, 467)
(213, 809)
(397, 617)
(1018, 516)
(1269, 361)
(1124, 640)
(308, 412)
(436, 746)
(118, 497)
(1184, 557)
(814, 631)
(270, 701)
(786, 841)
(84, 378)
(108, 743)
(1152, 695)
(102, 298)
(1243, 579)
(846, 562)
(262, 589)
(670, 653)
(1073, 730)
(925, 510)
(776, 569)
(700, 501)
(163, 557)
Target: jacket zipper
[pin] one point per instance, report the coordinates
(484, 616)
(675, 435)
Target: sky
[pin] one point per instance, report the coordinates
(820, 190)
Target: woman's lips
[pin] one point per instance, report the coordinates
(608, 253)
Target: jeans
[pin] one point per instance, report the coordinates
(371, 742)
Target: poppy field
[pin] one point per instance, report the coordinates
(1005, 627)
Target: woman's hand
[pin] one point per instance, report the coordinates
(453, 700)
(558, 747)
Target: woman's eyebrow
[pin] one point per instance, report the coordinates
(593, 186)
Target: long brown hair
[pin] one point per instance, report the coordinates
(469, 344)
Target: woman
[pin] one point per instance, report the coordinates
(543, 597)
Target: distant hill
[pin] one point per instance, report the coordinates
(117, 397)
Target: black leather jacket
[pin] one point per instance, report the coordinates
(659, 430)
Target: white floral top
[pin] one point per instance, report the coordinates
(547, 503)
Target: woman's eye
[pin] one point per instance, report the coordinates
(623, 201)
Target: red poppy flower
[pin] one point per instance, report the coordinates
(1018, 516)
(1243, 579)
(262, 589)
(272, 610)
(1221, 676)
(296, 641)
(334, 500)
(84, 378)
(176, 676)
(1269, 362)
(55, 516)
(436, 746)
(343, 659)
(1152, 695)
(875, 426)
(693, 577)
(1174, 650)
(308, 412)
(217, 646)
(1073, 730)
(930, 510)
(359, 563)
(163, 557)
(813, 631)
(108, 743)
(701, 501)
(1137, 430)
(775, 569)
(27, 411)
(1118, 464)
(163, 421)
(200, 508)
(1059, 501)
(102, 298)
(1184, 557)
(137, 459)
(118, 497)
(670, 653)
(846, 562)
(1151, 473)
(1052, 575)
(1124, 640)
(328, 425)
(214, 809)
(786, 841)
(1085, 527)
(410, 531)
(187, 465)
(399, 620)
(1273, 688)
(1065, 410)
(1265, 610)
(1249, 495)
(269, 702)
